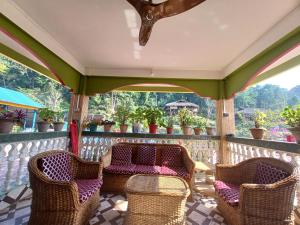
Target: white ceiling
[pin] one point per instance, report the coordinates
(100, 37)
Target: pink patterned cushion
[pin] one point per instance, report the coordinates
(147, 169)
(120, 169)
(57, 167)
(229, 192)
(267, 174)
(171, 156)
(87, 188)
(175, 171)
(146, 155)
(121, 155)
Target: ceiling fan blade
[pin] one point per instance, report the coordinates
(145, 32)
(175, 7)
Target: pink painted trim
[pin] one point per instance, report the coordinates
(33, 53)
(249, 82)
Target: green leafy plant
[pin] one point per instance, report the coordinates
(46, 115)
(292, 116)
(122, 114)
(185, 117)
(153, 115)
(138, 116)
(200, 122)
(108, 122)
(58, 117)
(168, 122)
(259, 119)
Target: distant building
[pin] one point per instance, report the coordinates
(172, 108)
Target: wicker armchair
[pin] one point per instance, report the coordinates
(258, 204)
(65, 188)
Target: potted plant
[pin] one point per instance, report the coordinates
(185, 117)
(259, 121)
(9, 118)
(210, 129)
(153, 116)
(292, 118)
(137, 118)
(107, 125)
(199, 124)
(93, 124)
(46, 117)
(121, 116)
(58, 122)
(168, 123)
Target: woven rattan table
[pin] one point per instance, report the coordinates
(156, 200)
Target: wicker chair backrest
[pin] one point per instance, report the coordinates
(159, 149)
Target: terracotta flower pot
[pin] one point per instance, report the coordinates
(169, 130)
(123, 128)
(6, 126)
(107, 127)
(210, 130)
(43, 126)
(257, 133)
(296, 132)
(197, 130)
(58, 126)
(152, 128)
(187, 130)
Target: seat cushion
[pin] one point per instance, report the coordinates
(268, 174)
(171, 156)
(57, 167)
(121, 155)
(229, 192)
(143, 169)
(175, 171)
(120, 169)
(146, 155)
(87, 188)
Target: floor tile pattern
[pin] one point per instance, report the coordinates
(113, 209)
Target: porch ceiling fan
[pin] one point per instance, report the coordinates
(151, 12)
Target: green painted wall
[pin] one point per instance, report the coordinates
(59, 68)
(205, 88)
(26, 61)
(246, 74)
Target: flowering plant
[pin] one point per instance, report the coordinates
(16, 116)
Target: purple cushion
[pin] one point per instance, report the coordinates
(171, 156)
(268, 174)
(175, 171)
(229, 192)
(146, 155)
(120, 169)
(147, 169)
(87, 188)
(121, 155)
(57, 167)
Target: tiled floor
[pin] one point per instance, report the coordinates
(113, 209)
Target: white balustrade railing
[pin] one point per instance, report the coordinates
(14, 157)
(239, 152)
(201, 149)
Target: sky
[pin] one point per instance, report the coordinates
(287, 79)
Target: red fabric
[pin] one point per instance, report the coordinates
(74, 137)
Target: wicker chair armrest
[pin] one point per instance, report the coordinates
(106, 159)
(229, 173)
(262, 200)
(188, 162)
(65, 193)
(88, 169)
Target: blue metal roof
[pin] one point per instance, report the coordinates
(15, 98)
